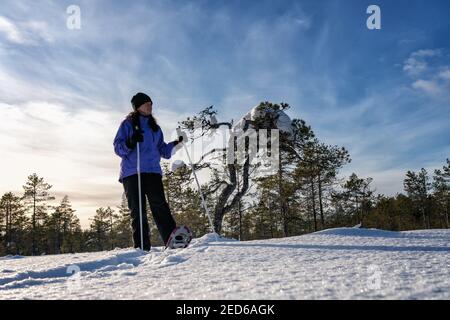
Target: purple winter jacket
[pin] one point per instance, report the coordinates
(151, 150)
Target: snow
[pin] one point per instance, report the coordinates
(283, 123)
(177, 164)
(345, 263)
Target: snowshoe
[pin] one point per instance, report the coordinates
(180, 238)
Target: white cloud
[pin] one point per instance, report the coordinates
(445, 74)
(428, 70)
(414, 67)
(25, 33)
(416, 63)
(38, 30)
(11, 31)
(426, 53)
(18, 87)
(428, 86)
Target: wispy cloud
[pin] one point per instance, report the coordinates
(428, 86)
(429, 71)
(417, 64)
(25, 33)
(445, 74)
(10, 31)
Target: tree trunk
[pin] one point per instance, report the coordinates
(363, 210)
(239, 208)
(7, 235)
(111, 231)
(313, 196)
(322, 219)
(240, 220)
(446, 219)
(59, 239)
(283, 211)
(33, 233)
(221, 208)
(424, 218)
(446, 213)
(358, 213)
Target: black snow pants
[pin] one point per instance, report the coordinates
(152, 188)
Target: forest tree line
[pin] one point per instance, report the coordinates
(305, 195)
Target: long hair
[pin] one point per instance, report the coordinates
(134, 116)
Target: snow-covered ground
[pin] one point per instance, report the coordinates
(332, 264)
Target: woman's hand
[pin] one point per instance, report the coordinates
(180, 139)
(134, 139)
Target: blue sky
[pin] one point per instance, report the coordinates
(383, 94)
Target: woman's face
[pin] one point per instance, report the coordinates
(146, 109)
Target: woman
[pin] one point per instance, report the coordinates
(140, 127)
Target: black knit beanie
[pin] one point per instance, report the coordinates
(139, 99)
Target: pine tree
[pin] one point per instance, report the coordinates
(267, 119)
(122, 225)
(73, 237)
(184, 201)
(417, 187)
(305, 178)
(111, 218)
(391, 213)
(267, 220)
(441, 186)
(61, 225)
(328, 159)
(3, 233)
(35, 196)
(13, 224)
(358, 194)
(101, 230)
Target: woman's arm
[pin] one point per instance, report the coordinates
(120, 146)
(165, 149)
